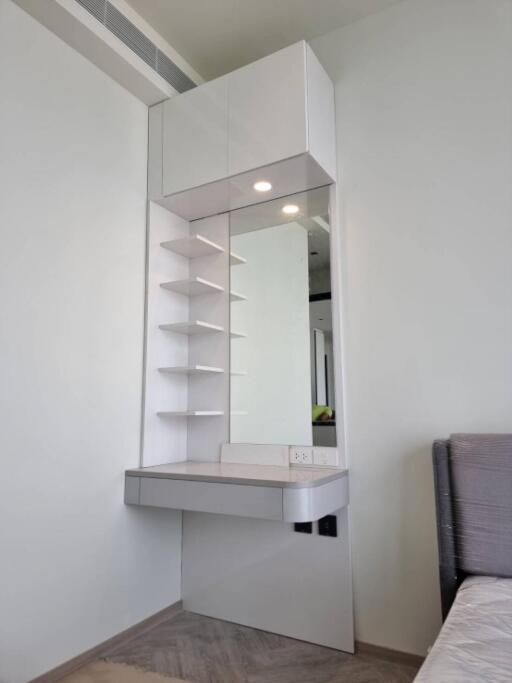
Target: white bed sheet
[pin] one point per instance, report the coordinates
(475, 643)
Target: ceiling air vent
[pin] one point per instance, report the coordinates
(133, 38)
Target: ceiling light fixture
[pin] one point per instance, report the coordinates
(262, 186)
(290, 209)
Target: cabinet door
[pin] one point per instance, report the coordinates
(267, 110)
(195, 137)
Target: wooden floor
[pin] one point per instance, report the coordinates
(203, 650)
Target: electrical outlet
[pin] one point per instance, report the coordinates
(325, 456)
(301, 455)
(328, 526)
(303, 527)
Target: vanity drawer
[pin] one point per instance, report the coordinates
(263, 502)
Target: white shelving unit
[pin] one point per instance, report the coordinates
(236, 296)
(192, 286)
(191, 370)
(191, 327)
(236, 260)
(190, 413)
(192, 247)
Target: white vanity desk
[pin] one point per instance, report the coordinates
(243, 346)
(288, 494)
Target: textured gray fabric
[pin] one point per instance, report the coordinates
(481, 472)
(448, 573)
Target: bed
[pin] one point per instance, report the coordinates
(473, 486)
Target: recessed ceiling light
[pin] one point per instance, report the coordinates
(290, 209)
(262, 186)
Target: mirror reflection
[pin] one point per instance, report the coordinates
(282, 363)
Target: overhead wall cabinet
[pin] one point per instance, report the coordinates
(275, 115)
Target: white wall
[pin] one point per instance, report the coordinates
(424, 111)
(276, 392)
(77, 565)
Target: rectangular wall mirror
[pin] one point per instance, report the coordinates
(282, 361)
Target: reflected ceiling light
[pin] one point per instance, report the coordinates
(290, 209)
(262, 186)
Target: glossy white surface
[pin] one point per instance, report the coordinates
(189, 413)
(216, 498)
(249, 453)
(190, 369)
(260, 491)
(165, 440)
(207, 391)
(288, 176)
(267, 111)
(280, 129)
(195, 137)
(194, 246)
(307, 504)
(236, 259)
(191, 327)
(193, 286)
(321, 114)
(260, 475)
(262, 574)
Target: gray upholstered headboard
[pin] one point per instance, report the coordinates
(473, 485)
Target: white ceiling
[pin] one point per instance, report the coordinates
(217, 36)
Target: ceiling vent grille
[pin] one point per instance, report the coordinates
(140, 44)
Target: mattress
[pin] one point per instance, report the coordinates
(475, 642)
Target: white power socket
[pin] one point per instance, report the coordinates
(301, 455)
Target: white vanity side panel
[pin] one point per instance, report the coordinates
(224, 499)
(195, 137)
(267, 110)
(321, 114)
(164, 440)
(263, 574)
(210, 392)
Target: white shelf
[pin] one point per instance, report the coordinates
(238, 373)
(237, 335)
(236, 260)
(235, 296)
(191, 369)
(192, 327)
(193, 246)
(192, 286)
(190, 413)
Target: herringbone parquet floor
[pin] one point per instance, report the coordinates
(204, 650)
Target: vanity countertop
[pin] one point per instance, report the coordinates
(235, 473)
